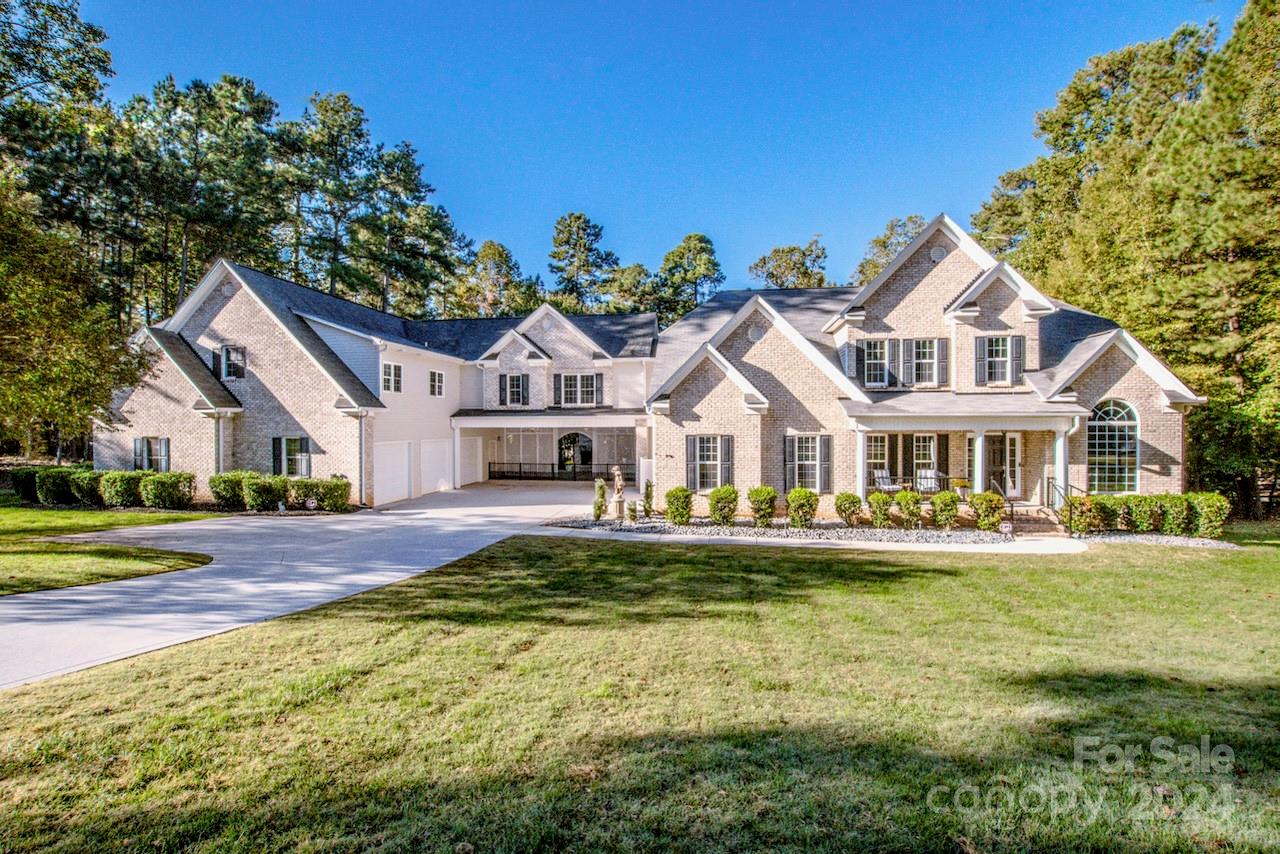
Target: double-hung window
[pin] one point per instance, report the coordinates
(708, 462)
(877, 451)
(151, 453)
(997, 357)
(515, 389)
(807, 462)
(233, 361)
(291, 456)
(925, 361)
(435, 383)
(578, 389)
(876, 365)
(924, 452)
(391, 377)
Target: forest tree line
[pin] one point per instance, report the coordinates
(1155, 204)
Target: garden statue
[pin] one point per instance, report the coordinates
(619, 484)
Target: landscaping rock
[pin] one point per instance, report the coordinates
(1158, 540)
(746, 530)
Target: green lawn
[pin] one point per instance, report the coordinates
(27, 564)
(552, 694)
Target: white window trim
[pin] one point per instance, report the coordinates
(1007, 360)
(883, 360)
(439, 384)
(394, 377)
(816, 463)
(284, 457)
(933, 460)
(577, 390)
(1137, 450)
(226, 362)
(916, 361)
(714, 462)
(514, 381)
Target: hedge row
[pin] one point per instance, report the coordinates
(250, 490)
(1193, 514)
(802, 506)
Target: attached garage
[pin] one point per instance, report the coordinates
(436, 464)
(392, 468)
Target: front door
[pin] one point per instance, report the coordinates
(1004, 462)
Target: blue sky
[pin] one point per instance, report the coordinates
(756, 123)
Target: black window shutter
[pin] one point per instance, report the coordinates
(908, 361)
(943, 450)
(304, 448)
(691, 462)
(944, 369)
(217, 364)
(979, 361)
(139, 454)
(555, 390)
(908, 456)
(893, 455)
(891, 358)
(164, 455)
(726, 459)
(276, 455)
(788, 463)
(524, 389)
(859, 363)
(824, 464)
(1019, 354)
(502, 389)
(599, 389)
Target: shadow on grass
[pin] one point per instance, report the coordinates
(577, 582)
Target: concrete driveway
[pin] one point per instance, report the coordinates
(262, 567)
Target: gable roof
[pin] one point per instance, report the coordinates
(1026, 292)
(752, 398)
(514, 334)
(947, 226)
(1051, 382)
(188, 362)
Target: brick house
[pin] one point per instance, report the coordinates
(948, 370)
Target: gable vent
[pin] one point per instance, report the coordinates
(937, 253)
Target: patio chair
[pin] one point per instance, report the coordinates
(928, 481)
(881, 481)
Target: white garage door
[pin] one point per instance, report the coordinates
(391, 466)
(472, 455)
(437, 465)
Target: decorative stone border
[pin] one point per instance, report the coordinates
(820, 531)
(1157, 540)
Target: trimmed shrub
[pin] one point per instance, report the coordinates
(1108, 511)
(724, 504)
(848, 507)
(228, 488)
(1076, 514)
(679, 505)
(53, 485)
(946, 509)
(23, 479)
(1142, 513)
(336, 497)
(648, 498)
(600, 489)
(1209, 513)
(989, 508)
(881, 503)
(598, 506)
(802, 504)
(87, 485)
(764, 504)
(1175, 515)
(263, 493)
(123, 488)
(170, 490)
(633, 511)
(908, 502)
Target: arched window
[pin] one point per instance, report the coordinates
(1113, 447)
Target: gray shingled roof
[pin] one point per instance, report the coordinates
(620, 335)
(188, 361)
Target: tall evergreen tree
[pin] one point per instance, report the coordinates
(690, 273)
(581, 266)
(492, 285)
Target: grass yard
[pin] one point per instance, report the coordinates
(27, 564)
(558, 694)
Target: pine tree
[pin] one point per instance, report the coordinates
(578, 262)
(690, 274)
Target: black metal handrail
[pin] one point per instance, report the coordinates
(1065, 491)
(560, 471)
(998, 489)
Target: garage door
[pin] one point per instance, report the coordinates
(391, 467)
(437, 465)
(472, 455)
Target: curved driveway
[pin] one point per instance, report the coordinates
(262, 567)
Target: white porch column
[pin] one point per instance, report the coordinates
(860, 463)
(457, 457)
(1059, 465)
(979, 460)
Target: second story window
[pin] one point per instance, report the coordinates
(877, 363)
(233, 363)
(435, 383)
(578, 390)
(513, 389)
(997, 357)
(925, 361)
(391, 377)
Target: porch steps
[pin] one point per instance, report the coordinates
(1041, 521)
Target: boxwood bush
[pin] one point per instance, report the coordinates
(908, 502)
(87, 485)
(946, 509)
(802, 505)
(881, 503)
(53, 485)
(723, 502)
(228, 489)
(988, 507)
(1108, 511)
(1175, 515)
(679, 505)
(23, 479)
(1209, 513)
(170, 490)
(123, 488)
(764, 504)
(263, 493)
(1076, 514)
(848, 506)
(1142, 513)
(332, 494)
